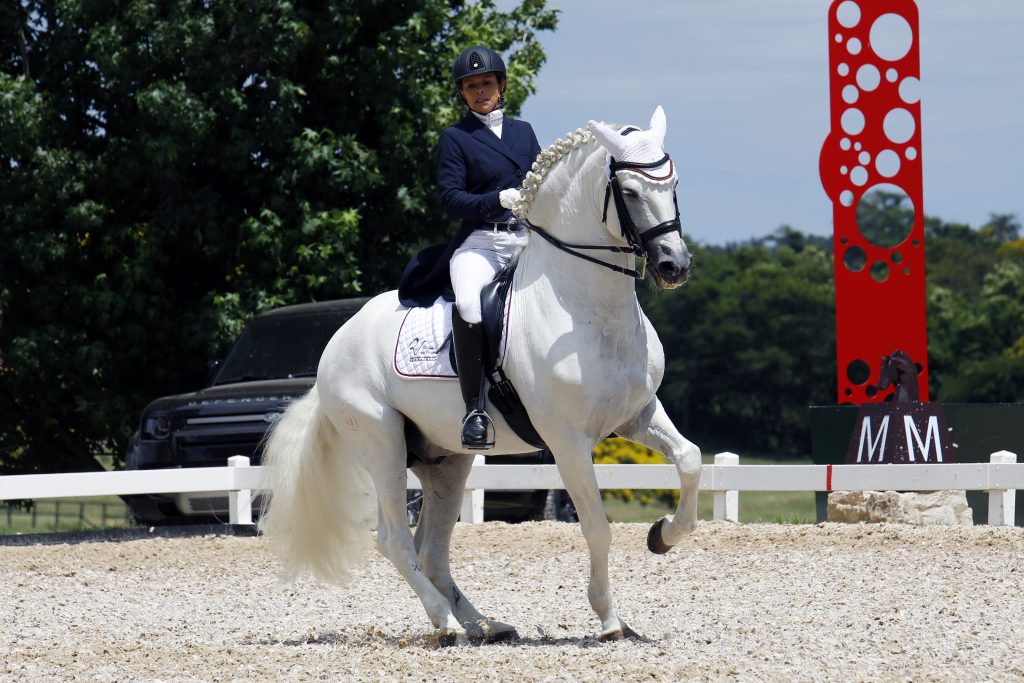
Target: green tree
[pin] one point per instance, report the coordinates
(169, 168)
(750, 343)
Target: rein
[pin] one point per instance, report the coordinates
(637, 240)
(569, 247)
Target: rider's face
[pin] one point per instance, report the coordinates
(481, 92)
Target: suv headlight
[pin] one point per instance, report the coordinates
(157, 426)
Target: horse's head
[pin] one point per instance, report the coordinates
(899, 370)
(642, 181)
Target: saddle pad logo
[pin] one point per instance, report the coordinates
(421, 351)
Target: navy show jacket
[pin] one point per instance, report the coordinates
(473, 166)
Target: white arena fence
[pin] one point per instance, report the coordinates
(1001, 477)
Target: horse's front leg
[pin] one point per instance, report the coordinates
(654, 429)
(576, 466)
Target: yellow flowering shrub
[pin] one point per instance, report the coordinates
(619, 451)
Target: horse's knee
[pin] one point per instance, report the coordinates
(689, 463)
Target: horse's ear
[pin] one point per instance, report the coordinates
(658, 123)
(611, 140)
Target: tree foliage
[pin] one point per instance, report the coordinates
(169, 168)
(750, 343)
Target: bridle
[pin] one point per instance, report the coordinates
(636, 240)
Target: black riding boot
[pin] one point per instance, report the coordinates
(468, 340)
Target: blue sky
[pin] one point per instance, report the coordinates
(744, 85)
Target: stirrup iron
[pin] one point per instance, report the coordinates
(488, 444)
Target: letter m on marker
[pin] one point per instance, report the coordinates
(915, 436)
(866, 440)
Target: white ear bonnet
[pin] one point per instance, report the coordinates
(639, 146)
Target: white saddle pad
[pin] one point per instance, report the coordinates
(421, 352)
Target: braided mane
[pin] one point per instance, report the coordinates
(545, 161)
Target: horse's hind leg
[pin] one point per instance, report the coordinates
(380, 441)
(654, 429)
(443, 489)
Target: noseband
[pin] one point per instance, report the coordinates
(636, 240)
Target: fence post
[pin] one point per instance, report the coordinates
(1002, 503)
(239, 502)
(473, 500)
(727, 503)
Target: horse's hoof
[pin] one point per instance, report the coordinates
(624, 633)
(492, 632)
(447, 639)
(654, 542)
(498, 637)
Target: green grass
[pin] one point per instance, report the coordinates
(777, 507)
(65, 514)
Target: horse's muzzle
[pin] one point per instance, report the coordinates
(672, 269)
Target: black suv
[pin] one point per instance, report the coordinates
(272, 362)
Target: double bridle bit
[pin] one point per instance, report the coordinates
(636, 240)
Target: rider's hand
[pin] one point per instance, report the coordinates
(509, 198)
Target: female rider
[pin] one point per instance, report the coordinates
(480, 160)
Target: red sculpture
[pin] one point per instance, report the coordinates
(875, 140)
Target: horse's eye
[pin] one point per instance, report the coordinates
(632, 194)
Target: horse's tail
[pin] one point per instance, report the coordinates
(321, 500)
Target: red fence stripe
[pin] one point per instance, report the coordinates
(828, 478)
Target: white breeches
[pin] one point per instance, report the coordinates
(475, 263)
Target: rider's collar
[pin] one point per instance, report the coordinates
(492, 120)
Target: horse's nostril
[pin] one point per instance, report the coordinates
(668, 269)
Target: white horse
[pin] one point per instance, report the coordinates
(581, 352)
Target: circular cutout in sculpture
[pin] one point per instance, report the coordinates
(879, 271)
(855, 259)
(858, 372)
(852, 121)
(853, 46)
(850, 94)
(885, 215)
(868, 77)
(846, 198)
(899, 125)
(910, 90)
(891, 37)
(843, 69)
(859, 176)
(848, 14)
(887, 163)
(911, 153)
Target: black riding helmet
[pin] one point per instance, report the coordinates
(477, 60)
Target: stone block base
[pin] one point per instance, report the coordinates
(940, 508)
